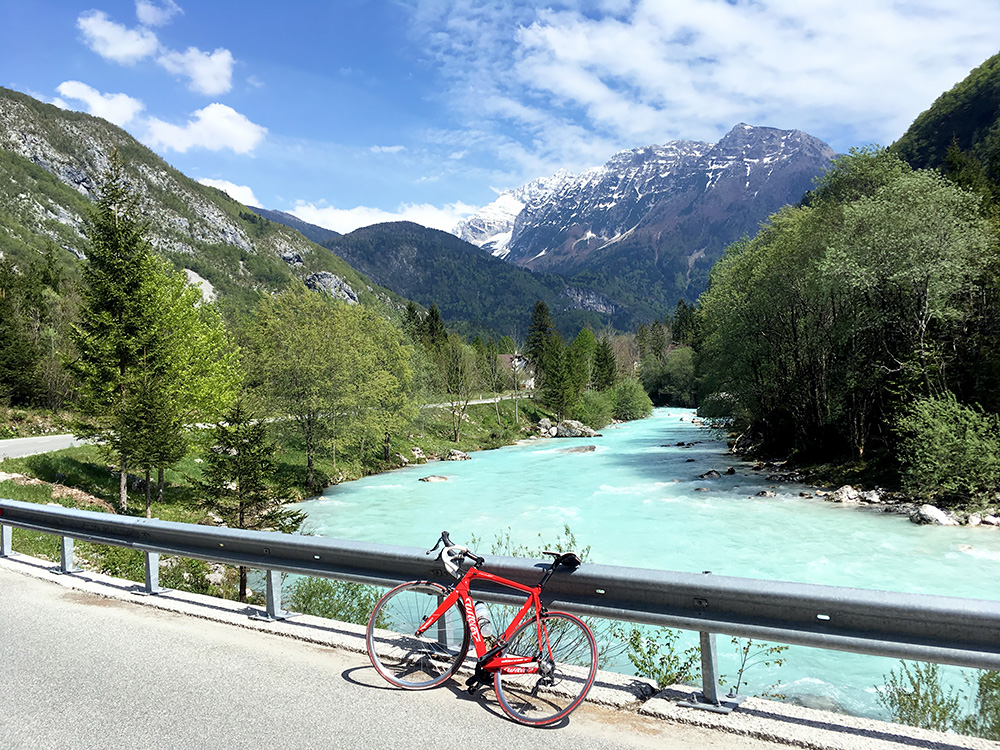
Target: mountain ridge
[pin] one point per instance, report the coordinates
(51, 162)
(662, 213)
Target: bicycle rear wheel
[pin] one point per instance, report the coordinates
(567, 664)
(405, 659)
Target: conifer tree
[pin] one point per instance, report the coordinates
(150, 362)
(115, 335)
(605, 373)
(435, 333)
(238, 479)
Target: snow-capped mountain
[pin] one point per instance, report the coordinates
(666, 211)
(491, 226)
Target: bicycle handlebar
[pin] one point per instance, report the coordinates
(453, 554)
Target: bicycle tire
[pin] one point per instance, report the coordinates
(404, 659)
(563, 680)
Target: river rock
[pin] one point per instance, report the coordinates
(571, 428)
(433, 478)
(847, 495)
(991, 520)
(579, 449)
(767, 493)
(544, 425)
(456, 455)
(403, 459)
(418, 454)
(930, 514)
(710, 474)
(975, 519)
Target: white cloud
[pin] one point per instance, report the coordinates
(242, 193)
(214, 127)
(387, 149)
(209, 73)
(120, 109)
(114, 41)
(348, 219)
(558, 87)
(151, 14)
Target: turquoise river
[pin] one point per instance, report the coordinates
(638, 500)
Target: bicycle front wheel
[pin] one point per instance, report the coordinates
(401, 656)
(566, 657)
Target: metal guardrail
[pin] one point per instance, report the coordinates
(948, 630)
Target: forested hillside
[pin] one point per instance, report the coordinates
(966, 117)
(477, 293)
(50, 165)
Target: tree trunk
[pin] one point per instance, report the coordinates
(386, 447)
(159, 485)
(123, 486)
(243, 584)
(149, 490)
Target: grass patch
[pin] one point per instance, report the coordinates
(20, 423)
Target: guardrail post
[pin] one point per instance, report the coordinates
(708, 698)
(152, 573)
(6, 540)
(709, 669)
(273, 597)
(66, 557)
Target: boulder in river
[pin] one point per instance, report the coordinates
(846, 495)
(710, 474)
(930, 514)
(456, 455)
(579, 449)
(433, 478)
(571, 428)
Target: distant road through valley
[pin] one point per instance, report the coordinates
(18, 447)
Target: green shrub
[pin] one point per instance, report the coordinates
(949, 452)
(335, 600)
(653, 652)
(594, 409)
(630, 400)
(917, 697)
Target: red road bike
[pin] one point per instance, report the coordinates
(541, 666)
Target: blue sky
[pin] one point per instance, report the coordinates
(351, 112)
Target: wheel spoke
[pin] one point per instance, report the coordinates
(404, 658)
(567, 664)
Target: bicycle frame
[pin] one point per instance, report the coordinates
(489, 659)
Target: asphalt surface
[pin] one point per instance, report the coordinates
(18, 447)
(84, 671)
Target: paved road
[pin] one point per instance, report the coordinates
(82, 671)
(17, 447)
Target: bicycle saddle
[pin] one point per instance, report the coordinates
(568, 559)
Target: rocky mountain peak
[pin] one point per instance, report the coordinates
(677, 204)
